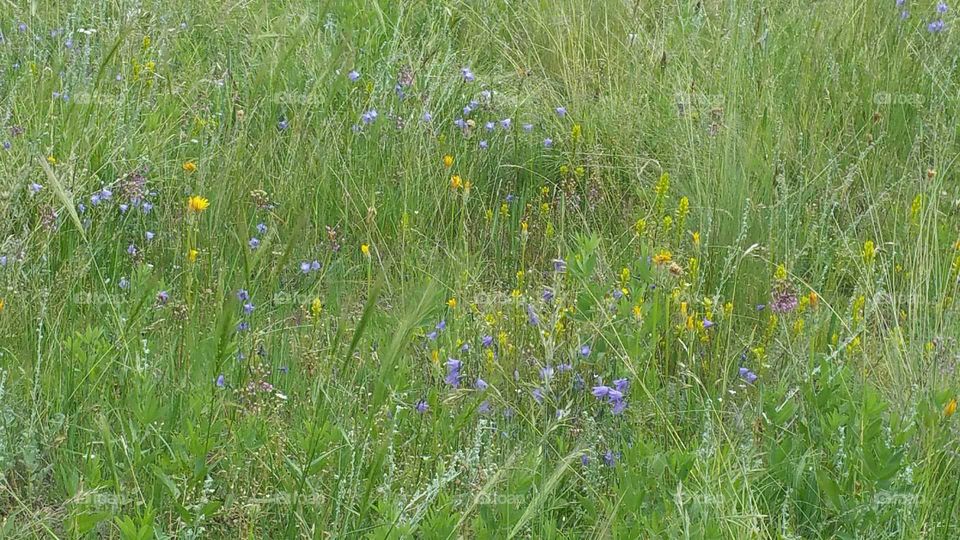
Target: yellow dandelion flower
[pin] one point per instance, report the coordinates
(456, 182)
(448, 161)
(197, 204)
(192, 255)
(365, 249)
(663, 257)
(452, 302)
(189, 166)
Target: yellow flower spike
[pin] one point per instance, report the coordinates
(435, 357)
(316, 307)
(814, 299)
(640, 226)
(696, 238)
(192, 255)
(365, 249)
(637, 311)
(146, 42)
(683, 308)
(728, 308)
(504, 210)
(448, 161)
(452, 303)
(576, 131)
(2, 304)
(781, 273)
(198, 204)
(189, 166)
(950, 408)
(564, 170)
(624, 275)
(667, 223)
(690, 322)
(548, 231)
(467, 184)
(869, 251)
(524, 228)
(579, 171)
(488, 214)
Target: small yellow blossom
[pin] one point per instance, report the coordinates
(365, 249)
(189, 166)
(456, 182)
(198, 204)
(869, 251)
(576, 131)
(452, 302)
(696, 238)
(192, 255)
(950, 408)
(663, 257)
(316, 307)
(51, 160)
(2, 304)
(448, 161)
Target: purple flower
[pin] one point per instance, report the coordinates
(254, 243)
(484, 145)
(467, 74)
(490, 126)
(427, 117)
(221, 381)
(585, 460)
(353, 76)
(315, 265)
(480, 384)
(610, 459)
(748, 375)
(486, 94)
(150, 235)
(942, 7)
(904, 15)
(537, 395)
(585, 350)
(505, 124)
(546, 373)
(484, 407)
(548, 143)
(561, 111)
(528, 128)
(460, 123)
(618, 407)
(7, 145)
(305, 267)
(261, 228)
(783, 301)
(421, 406)
(547, 295)
(146, 207)
(486, 341)
(243, 326)
(432, 336)
(123, 284)
(532, 317)
(442, 325)
(936, 26)
(562, 368)
(559, 265)
(369, 116)
(163, 297)
(453, 372)
(600, 391)
(132, 249)
(614, 395)
(22, 27)
(35, 187)
(283, 124)
(707, 323)
(243, 295)
(248, 308)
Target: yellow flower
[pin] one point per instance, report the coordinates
(455, 182)
(452, 302)
(575, 132)
(448, 161)
(869, 251)
(696, 238)
(51, 160)
(316, 307)
(198, 204)
(950, 408)
(189, 166)
(192, 255)
(781, 273)
(365, 249)
(662, 258)
(2, 303)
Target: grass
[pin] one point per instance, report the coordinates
(747, 217)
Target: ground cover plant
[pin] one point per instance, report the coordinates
(479, 269)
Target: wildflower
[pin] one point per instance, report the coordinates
(610, 459)
(189, 166)
(305, 267)
(480, 384)
(527, 128)
(421, 406)
(950, 408)
(315, 266)
(748, 375)
(600, 391)
(619, 406)
(163, 297)
(448, 161)
(248, 308)
(936, 26)
(442, 325)
(707, 324)
(490, 126)
(261, 228)
(869, 251)
(484, 407)
(561, 111)
(505, 124)
(35, 187)
(316, 307)
(369, 117)
(585, 350)
(354, 76)
(467, 74)
(546, 373)
(783, 301)
(197, 204)
(559, 265)
(532, 317)
(192, 255)
(942, 7)
(483, 145)
(365, 250)
(548, 143)
(548, 295)
(124, 283)
(221, 381)
(254, 243)
(132, 249)
(282, 125)
(243, 295)
(427, 117)
(585, 460)
(486, 341)
(51, 160)
(452, 302)
(456, 182)
(662, 258)
(537, 395)
(453, 372)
